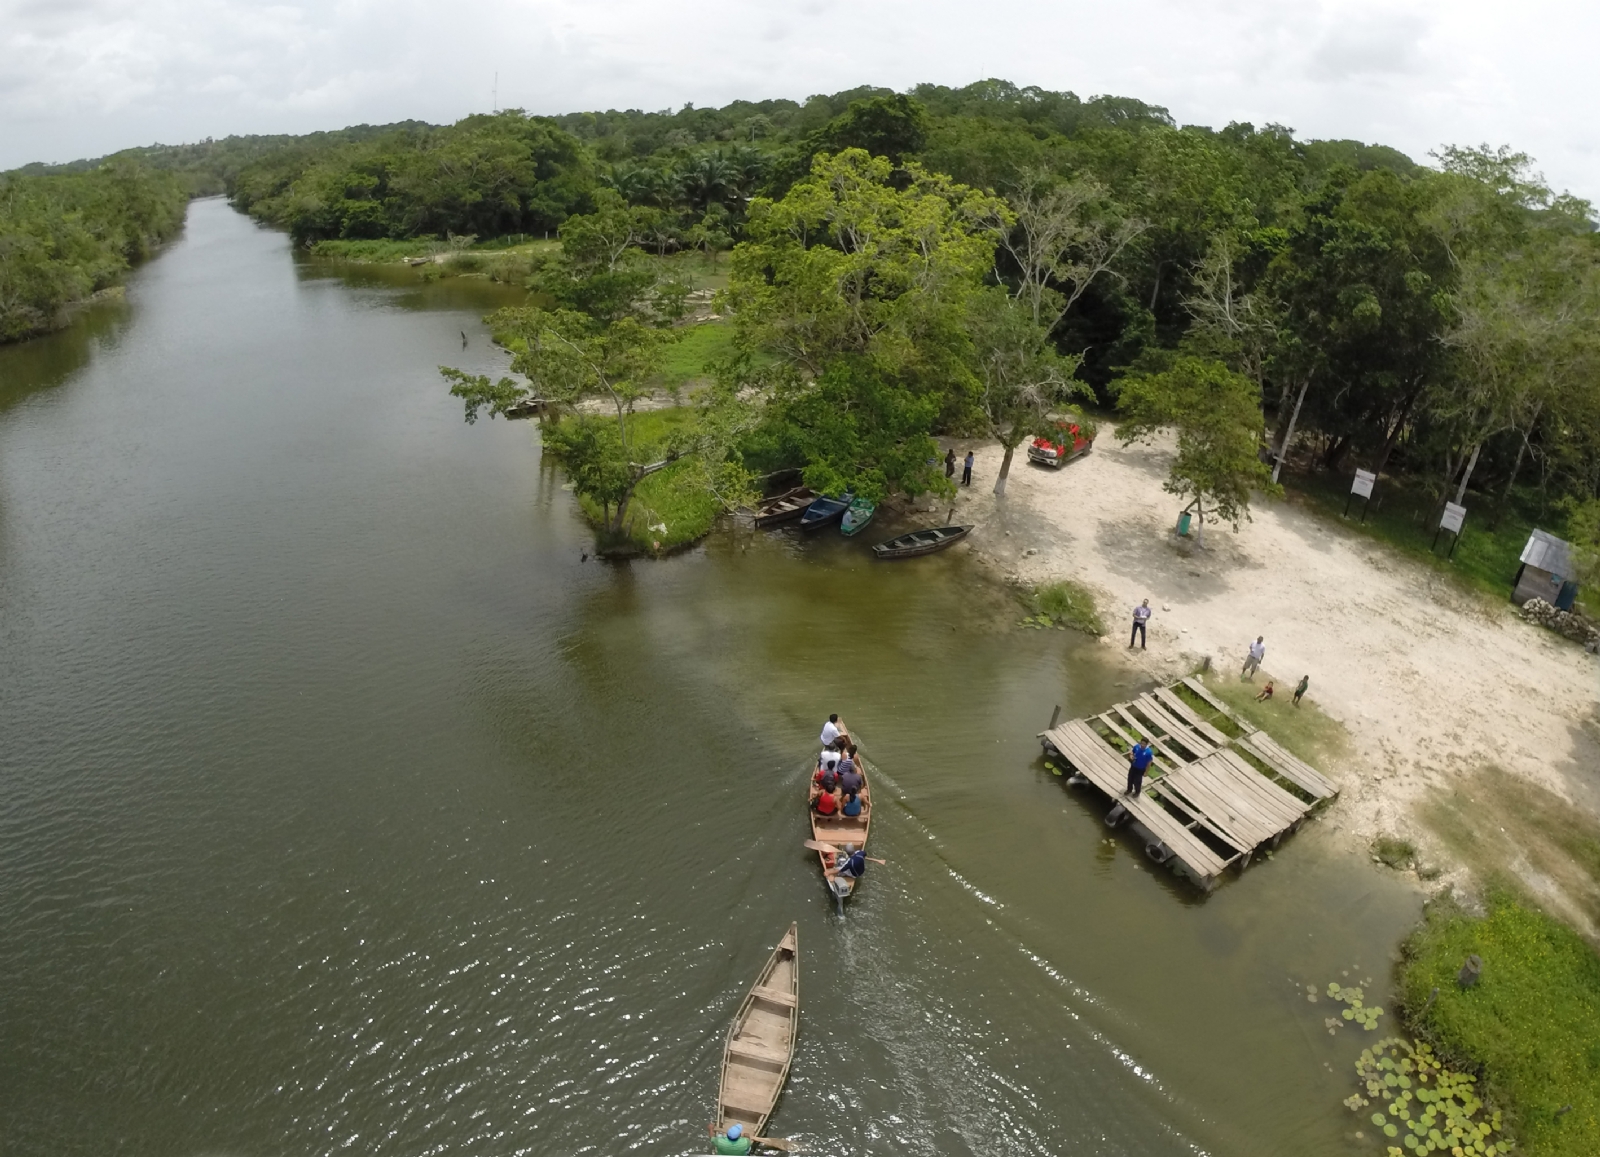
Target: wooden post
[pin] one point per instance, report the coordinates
(1054, 717)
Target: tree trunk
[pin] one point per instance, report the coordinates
(1522, 448)
(1466, 476)
(1156, 289)
(1288, 436)
(1393, 434)
(1005, 470)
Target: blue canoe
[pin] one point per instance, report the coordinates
(824, 512)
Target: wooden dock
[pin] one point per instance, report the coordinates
(1218, 791)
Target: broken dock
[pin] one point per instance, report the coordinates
(1219, 790)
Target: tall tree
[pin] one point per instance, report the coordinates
(1216, 414)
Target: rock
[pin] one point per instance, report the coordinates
(1470, 971)
(1030, 552)
(1564, 623)
(1165, 607)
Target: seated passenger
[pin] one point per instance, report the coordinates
(826, 762)
(852, 804)
(850, 777)
(852, 862)
(834, 735)
(827, 802)
(827, 781)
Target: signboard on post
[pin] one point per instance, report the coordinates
(1361, 486)
(1453, 517)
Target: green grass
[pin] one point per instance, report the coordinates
(676, 497)
(686, 360)
(1531, 1025)
(380, 250)
(1486, 558)
(1067, 604)
(1305, 730)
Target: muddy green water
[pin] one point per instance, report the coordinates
(345, 809)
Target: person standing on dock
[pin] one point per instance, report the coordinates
(1252, 662)
(1141, 616)
(1300, 688)
(966, 468)
(1139, 760)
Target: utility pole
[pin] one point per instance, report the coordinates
(494, 97)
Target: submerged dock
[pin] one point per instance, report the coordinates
(1219, 790)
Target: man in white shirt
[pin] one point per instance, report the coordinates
(1252, 663)
(832, 733)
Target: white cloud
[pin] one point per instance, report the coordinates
(84, 77)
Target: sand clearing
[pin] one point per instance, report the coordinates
(1430, 680)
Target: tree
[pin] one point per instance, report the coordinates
(1217, 416)
(1023, 377)
(1060, 236)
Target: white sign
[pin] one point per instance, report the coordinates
(1363, 484)
(1453, 517)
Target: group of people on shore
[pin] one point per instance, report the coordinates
(1255, 653)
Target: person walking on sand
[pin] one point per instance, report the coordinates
(1141, 616)
(966, 469)
(1252, 662)
(950, 462)
(1300, 688)
(1139, 760)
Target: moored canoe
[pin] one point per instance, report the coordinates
(760, 1044)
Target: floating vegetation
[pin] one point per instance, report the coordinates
(1358, 1012)
(1051, 768)
(1422, 1104)
(1041, 623)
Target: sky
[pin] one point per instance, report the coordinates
(87, 77)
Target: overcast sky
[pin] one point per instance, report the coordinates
(86, 77)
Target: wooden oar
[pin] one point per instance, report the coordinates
(769, 1142)
(819, 846)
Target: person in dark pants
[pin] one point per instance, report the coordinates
(950, 462)
(1141, 616)
(1300, 688)
(966, 469)
(1139, 760)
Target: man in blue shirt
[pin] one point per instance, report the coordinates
(1139, 759)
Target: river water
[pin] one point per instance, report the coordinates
(345, 808)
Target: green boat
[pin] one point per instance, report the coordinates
(859, 514)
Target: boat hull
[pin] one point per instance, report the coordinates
(823, 512)
(760, 1042)
(921, 542)
(840, 830)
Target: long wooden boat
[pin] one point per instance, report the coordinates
(857, 516)
(824, 511)
(785, 507)
(840, 830)
(760, 1045)
(920, 542)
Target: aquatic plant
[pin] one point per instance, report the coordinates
(1358, 1011)
(1424, 1106)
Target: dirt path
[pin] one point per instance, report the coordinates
(1432, 682)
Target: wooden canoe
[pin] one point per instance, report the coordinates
(857, 516)
(824, 511)
(760, 1045)
(785, 507)
(920, 542)
(840, 830)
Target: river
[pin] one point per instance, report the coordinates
(346, 808)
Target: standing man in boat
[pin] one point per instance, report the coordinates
(833, 733)
(733, 1141)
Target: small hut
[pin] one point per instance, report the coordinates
(1545, 573)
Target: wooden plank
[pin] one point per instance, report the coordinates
(1295, 770)
(1176, 728)
(756, 1051)
(1196, 796)
(1149, 733)
(1165, 765)
(1194, 685)
(1099, 764)
(1268, 796)
(776, 996)
(1188, 714)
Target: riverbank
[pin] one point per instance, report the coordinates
(1434, 683)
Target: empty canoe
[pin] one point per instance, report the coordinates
(920, 542)
(824, 512)
(755, 1059)
(857, 516)
(785, 507)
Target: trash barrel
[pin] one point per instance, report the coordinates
(1183, 523)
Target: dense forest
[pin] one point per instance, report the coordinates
(974, 260)
(63, 237)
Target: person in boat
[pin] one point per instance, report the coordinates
(850, 863)
(851, 807)
(827, 762)
(850, 778)
(827, 779)
(733, 1141)
(834, 735)
(826, 802)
